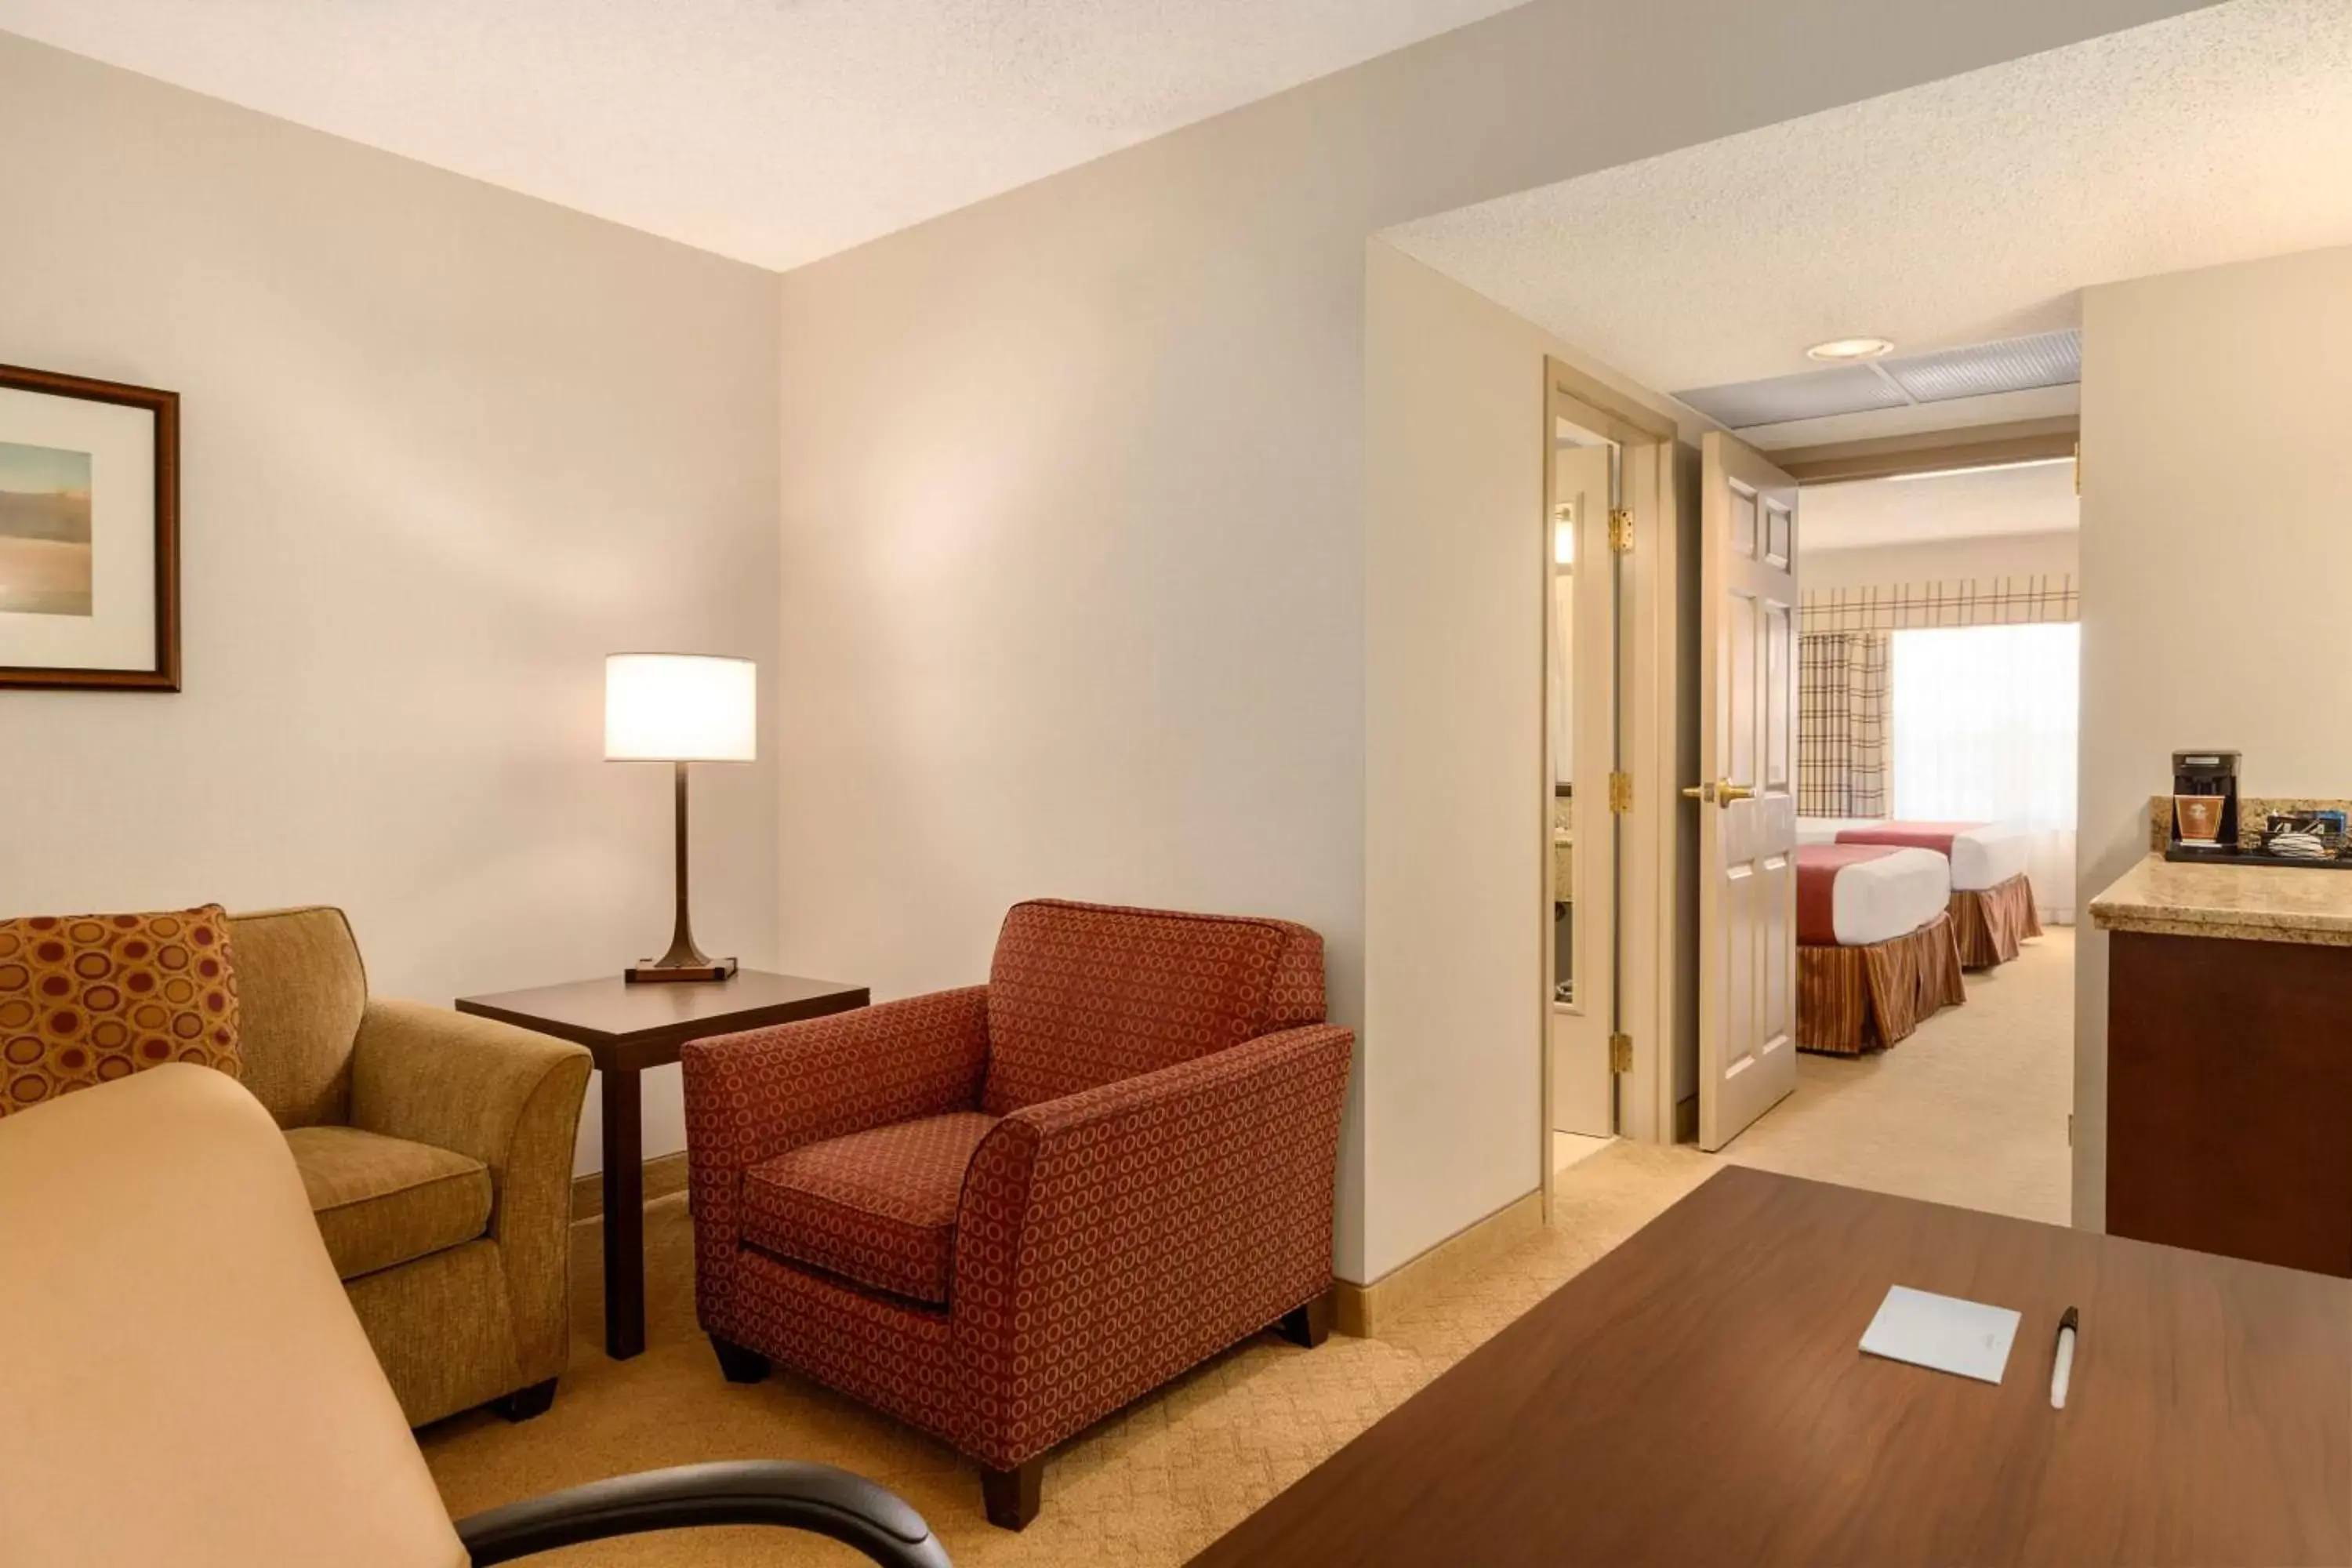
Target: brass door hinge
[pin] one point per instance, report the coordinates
(1620, 1053)
(1621, 531)
(1620, 794)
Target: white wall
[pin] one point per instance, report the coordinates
(1075, 576)
(2215, 551)
(1455, 563)
(1944, 559)
(445, 447)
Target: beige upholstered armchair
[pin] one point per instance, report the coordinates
(436, 1152)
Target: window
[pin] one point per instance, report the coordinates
(1986, 729)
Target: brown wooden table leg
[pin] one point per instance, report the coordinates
(624, 1216)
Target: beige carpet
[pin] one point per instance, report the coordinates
(1969, 1111)
(1153, 1484)
(1959, 1114)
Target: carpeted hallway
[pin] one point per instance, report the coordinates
(1959, 1114)
(1970, 1110)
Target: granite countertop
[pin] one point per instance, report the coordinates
(2242, 903)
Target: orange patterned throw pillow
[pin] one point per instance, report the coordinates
(86, 999)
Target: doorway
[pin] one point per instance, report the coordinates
(1609, 538)
(1938, 712)
(1585, 490)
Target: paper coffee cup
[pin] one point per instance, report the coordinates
(2200, 816)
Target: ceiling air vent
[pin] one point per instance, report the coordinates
(1813, 394)
(2052, 359)
(2015, 364)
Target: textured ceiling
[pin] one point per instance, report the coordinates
(1954, 213)
(2036, 500)
(772, 131)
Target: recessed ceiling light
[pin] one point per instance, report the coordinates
(1842, 351)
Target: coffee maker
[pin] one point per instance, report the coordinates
(2205, 775)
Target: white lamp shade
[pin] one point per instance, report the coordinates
(680, 708)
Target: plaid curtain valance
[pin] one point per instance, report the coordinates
(1910, 606)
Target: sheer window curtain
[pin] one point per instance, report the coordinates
(1985, 729)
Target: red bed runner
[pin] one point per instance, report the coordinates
(1935, 836)
(1817, 865)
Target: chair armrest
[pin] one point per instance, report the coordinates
(752, 1097)
(508, 1098)
(1111, 1238)
(817, 1499)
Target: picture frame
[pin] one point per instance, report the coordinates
(90, 533)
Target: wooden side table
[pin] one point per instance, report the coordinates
(629, 1028)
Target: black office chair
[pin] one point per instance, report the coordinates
(814, 1498)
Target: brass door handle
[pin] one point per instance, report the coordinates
(1722, 793)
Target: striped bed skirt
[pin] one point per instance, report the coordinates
(1855, 999)
(1989, 924)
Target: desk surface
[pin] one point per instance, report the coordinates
(644, 1024)
(1697, 1396)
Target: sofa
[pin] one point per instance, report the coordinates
(436, 1152)
(187, 1387)
(1002, 1213)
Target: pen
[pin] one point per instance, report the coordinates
(2062, 1360)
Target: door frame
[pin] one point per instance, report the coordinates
(1644, 912)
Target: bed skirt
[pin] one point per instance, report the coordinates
(1989, 924)
(1855, 999)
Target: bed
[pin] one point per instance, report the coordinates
(1875, 951)
(1992, 898)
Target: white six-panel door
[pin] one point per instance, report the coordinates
(1746, 793)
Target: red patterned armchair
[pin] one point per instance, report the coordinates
(1003, 1212)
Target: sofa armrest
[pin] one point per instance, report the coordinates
(1109, 1239)
(505, 1095)
(507, 1098)
(752, 1097)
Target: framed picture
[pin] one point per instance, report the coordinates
(90, 533)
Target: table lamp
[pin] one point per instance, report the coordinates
(681, 707)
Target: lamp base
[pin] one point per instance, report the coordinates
(651, 971)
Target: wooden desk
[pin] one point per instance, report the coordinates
(629, 1028)
(1697, 1396)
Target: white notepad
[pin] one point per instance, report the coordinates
(1943, 1333)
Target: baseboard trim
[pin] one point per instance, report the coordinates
(1365, 1309)
(664, 1174)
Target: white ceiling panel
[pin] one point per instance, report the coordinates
(772, 131)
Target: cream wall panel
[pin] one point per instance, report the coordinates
(445, 447)
(1456, 563)
(1944, 560)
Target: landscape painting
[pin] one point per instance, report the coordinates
(45, 540)
(89, 534)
